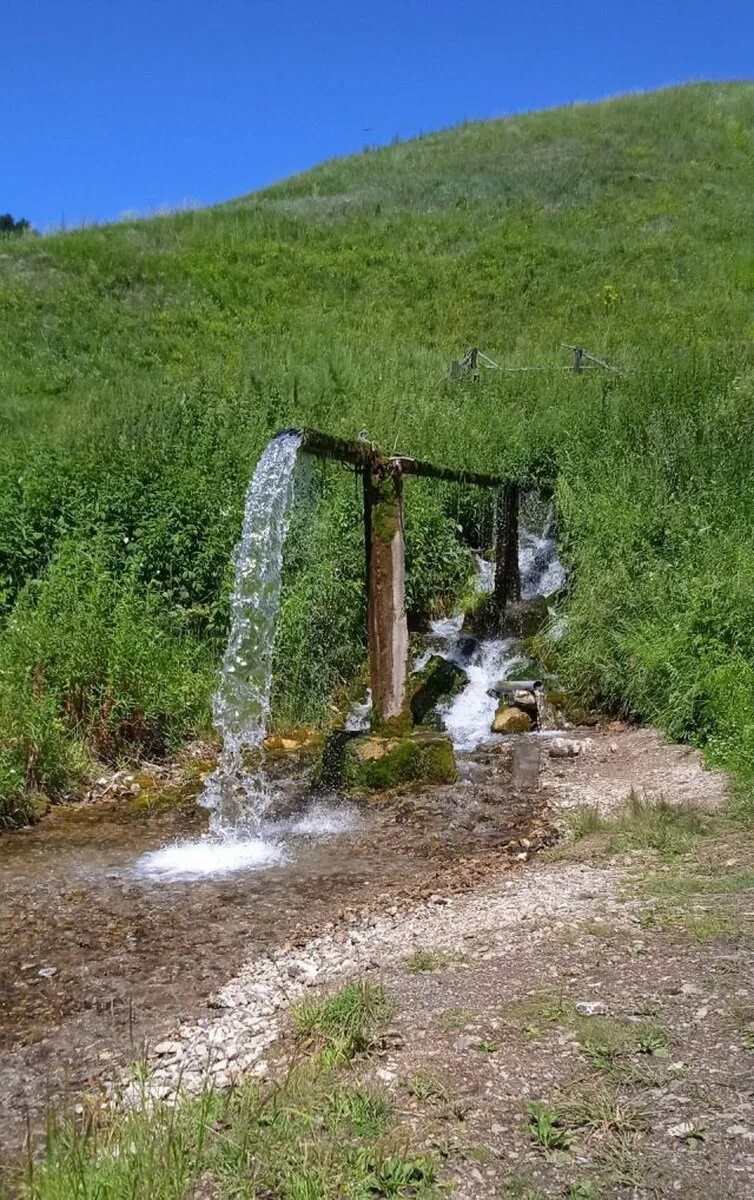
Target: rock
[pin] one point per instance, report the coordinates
(375, 763)
(563, 748)
(437, 680)
(591, 1008)
(305, 972)
(511, 720)
(47, 972)
(683, 1130)
(163, 1048)
(527, 700)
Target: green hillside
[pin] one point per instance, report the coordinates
(144, 365)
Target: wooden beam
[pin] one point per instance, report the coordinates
(363, 455)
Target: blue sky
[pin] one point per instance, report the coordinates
(112, 107)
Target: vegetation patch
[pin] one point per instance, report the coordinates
(431, 960)
(348, 1023)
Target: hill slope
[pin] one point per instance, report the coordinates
(144, 365)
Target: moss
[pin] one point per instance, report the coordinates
(385, 509)
(438, 680)
(376, 764)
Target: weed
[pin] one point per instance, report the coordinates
(345, 1024)
(546, 1126)
(430, 960)
(585, 822)
(597, 1109)
(427, 1088)
(583, 1189)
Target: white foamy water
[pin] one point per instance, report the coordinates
(468, 717)
(542, 572)
(360, 714)
(209, 857)
(212, 856)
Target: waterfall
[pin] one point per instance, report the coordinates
(237, 792)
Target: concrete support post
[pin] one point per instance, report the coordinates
(387, 623)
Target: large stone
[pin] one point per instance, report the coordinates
(511, 720)
(375, 763)
(438, 680)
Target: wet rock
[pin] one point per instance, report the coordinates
(511, 720)
(438, 680)
(375, 764)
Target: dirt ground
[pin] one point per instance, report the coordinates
(651, 1093)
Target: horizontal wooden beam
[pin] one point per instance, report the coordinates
(363, 455)
(415, 466)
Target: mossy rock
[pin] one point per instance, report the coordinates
(374, 764)
(438, 680)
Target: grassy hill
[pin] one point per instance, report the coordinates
(144, 365)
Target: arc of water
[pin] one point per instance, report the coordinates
(237, 796)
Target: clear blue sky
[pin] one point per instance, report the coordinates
(108, 107)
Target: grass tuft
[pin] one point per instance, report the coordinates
(345, 1024)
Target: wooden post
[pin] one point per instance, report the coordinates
(507, 576)
(386, 617)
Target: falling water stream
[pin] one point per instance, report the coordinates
(238, 793)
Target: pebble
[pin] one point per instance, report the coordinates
(563, 748)
(591, 1008)
(682, 1130)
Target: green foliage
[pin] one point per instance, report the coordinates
(144, 365)
(13, 227)
(546, 1126)
(644, 824)
(313, 1137)
(345, 1024)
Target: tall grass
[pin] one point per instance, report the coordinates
(144, 365)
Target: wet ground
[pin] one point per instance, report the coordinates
(95, 959)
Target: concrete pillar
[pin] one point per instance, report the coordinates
(387, 623)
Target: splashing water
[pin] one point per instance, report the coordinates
(468, 717)
(238, 797)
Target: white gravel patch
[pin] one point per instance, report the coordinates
(223, 1049)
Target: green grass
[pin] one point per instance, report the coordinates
(671, 830)
(348, 1023)
(144, 365)
(313, 1137)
